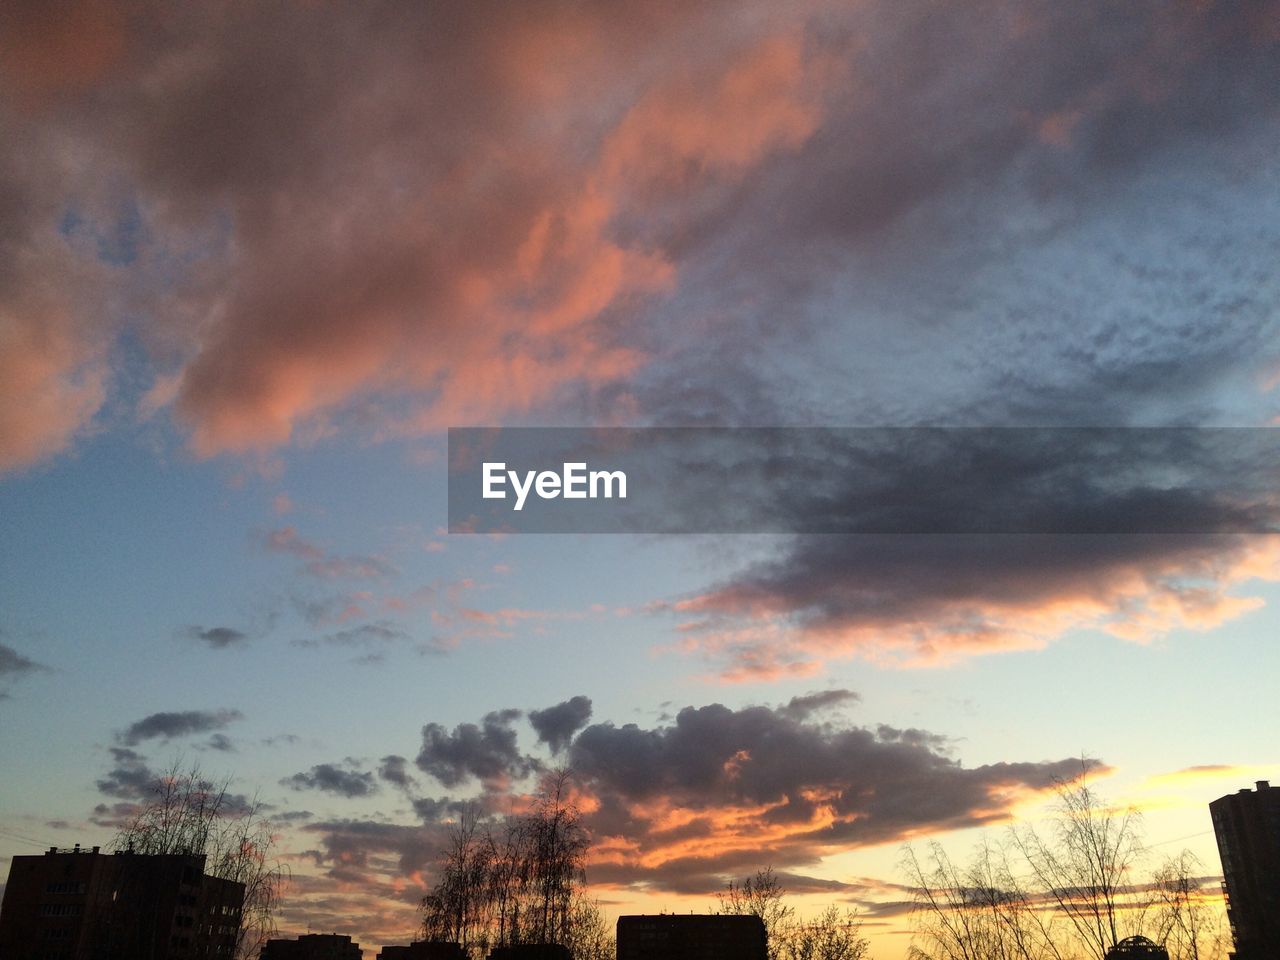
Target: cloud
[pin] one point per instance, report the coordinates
(803, 707)
(712, 793)
(351, 847)
(381, 633)
(218, 638)
(321, 564)
(681, 805)
(394, 769)
(345, 782)
(928, 600)
(556, 725)
(442, 258)
(286, 540)
(440, 809)
(1015, 537)
(359, 568)
(487, 751)
(221, 742)
(14, 665)
(130, 778)
(177, 724)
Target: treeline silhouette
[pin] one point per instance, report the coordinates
(1075, 889)
(518, 881)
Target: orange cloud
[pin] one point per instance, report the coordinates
(770, 98)
(53, 356)
(52, 49)
(786, 620)
(382, 236)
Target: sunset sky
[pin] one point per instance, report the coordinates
(255, 259)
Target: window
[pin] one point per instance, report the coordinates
(60, 909)
(66, 886)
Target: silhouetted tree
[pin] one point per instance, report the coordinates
(459, 907)
(1183, 919)
(190, 814)
(832, 935)
(1068, 891)
(1085, 867)
(590, 936)
(513, 881)
(558, 848)
(977, 912)
(763, 896)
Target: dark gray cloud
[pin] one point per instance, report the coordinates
(218, 638)
(220, 741)
(177, 724)
(348, 846)
(345, 780)
(894, 481)
(928, 599)
(812, 787)
(439, 809)
(713, 756)
(394, 769)
(1172, 518)
(14, 665)
(556, 725)
(115, 816)
(487, 751)
(130, 778)
(785, 785)
(134, 783)
(802, 707)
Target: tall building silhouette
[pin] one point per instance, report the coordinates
(674, 936)
(82, 904)
(313, 946)
(424, 950)
(1247, 825)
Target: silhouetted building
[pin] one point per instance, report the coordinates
(425, 950)
(312, 946)
(1137, 948)
(691, 937)
(87, 905)
(531, 951)
(1247, 825)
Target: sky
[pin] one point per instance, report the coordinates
(256, 259)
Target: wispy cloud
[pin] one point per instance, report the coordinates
(181, 723)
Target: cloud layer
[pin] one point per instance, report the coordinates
(681, 805)
(382, 220)
(929, 600)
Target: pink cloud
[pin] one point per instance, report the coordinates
(780, 624)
